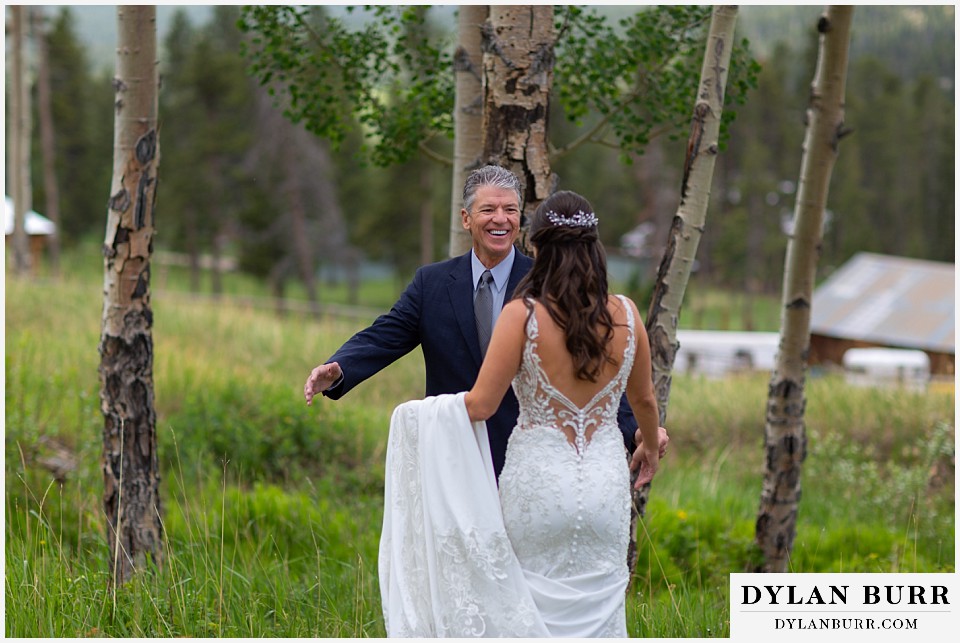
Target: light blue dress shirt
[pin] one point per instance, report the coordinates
(501, 274)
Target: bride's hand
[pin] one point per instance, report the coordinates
(648, 460)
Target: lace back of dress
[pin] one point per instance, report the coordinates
(543, 405)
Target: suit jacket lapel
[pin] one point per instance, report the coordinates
(460, 290)
(521, 266)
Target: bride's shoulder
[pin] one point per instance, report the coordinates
(525, 304)
(515, 311)
(617, 303)
(518, 304)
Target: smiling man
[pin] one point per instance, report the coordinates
(448, 310)
(492, 215)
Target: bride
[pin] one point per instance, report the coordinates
(545, 554)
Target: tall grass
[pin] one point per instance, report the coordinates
(272, 509)
(240, 562)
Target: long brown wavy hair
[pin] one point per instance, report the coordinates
(569, 278)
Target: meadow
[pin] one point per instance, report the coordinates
(272, 509)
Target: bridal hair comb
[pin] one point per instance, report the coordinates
(580, 220)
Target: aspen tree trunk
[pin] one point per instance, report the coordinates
(130, 467)
(518, 60)
(20, 140)
(50, 186)
(785, 439)
(467, 115)
(688, 223)
(426, 218)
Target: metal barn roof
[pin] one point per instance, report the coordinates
(890, 301)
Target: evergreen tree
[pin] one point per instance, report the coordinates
(82, 113)
(184, 229)
(208, 107)
(933, 116)
(877, 112)
(756, 193)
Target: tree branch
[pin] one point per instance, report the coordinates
(434, 156)
(586, 137)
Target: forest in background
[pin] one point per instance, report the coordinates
(233, 168)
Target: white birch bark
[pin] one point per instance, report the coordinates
(784, 434)
(130, 466)
(467, 115)
(688, 223)
(20, 123)
(45, 110)
(518, 60)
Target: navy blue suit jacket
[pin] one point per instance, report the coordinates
(436, 312)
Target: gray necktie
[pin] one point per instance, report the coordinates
(483, 310)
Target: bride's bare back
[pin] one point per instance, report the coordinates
(557, 363)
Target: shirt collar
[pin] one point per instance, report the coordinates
(500, 272)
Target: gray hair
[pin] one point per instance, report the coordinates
(492, 175)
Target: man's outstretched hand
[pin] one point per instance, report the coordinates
(321, 378)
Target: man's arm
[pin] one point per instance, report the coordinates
(628, 423)
(390, 337)
(322, 378)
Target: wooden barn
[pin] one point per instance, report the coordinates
(886, 302)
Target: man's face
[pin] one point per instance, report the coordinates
(493, 222)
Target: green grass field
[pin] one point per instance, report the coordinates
(272, 509)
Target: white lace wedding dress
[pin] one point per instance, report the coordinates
(543, 556)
